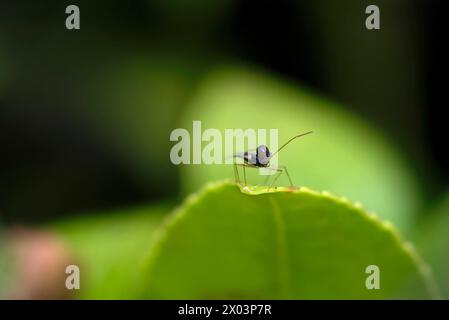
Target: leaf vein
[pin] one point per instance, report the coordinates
(281, 246)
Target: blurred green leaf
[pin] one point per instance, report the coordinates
(344, 155)
(109, 250)
(223, 243)
(136, 103)
(432, 241)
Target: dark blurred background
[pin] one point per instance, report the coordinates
(67, 97)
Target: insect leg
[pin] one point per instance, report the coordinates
(269, 175)
(244, 165)
(236, 174)
(265, 183)
(279, 170)
(266, 180)
(244, 175)
(288, 175)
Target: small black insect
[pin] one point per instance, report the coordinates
(260, 158)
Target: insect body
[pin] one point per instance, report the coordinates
(260, 158)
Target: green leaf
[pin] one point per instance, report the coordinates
(293, 244)
(109, 250)
(432, 242)
(345, 154)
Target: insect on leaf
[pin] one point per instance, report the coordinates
(223, 243)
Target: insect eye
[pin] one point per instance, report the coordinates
(263, 150)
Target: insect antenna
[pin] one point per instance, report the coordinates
(299, 135)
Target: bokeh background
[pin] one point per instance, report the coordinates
(86, 115)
